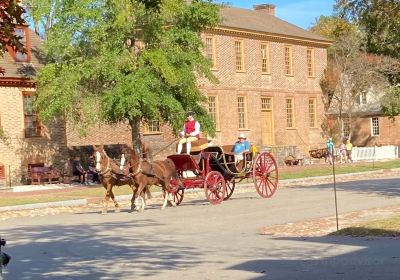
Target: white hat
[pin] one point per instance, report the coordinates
(242, 135)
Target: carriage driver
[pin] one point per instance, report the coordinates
(190, 132)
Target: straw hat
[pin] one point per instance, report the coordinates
(242, 135)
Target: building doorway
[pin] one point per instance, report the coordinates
(267, 122)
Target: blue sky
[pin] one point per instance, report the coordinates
(299, 12)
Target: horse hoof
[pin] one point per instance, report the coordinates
(104, 212)
(117, 210)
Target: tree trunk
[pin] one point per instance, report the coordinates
(136, 139)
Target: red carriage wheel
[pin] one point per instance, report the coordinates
(265, 175)
(230, 187)
(178, 196)
(177, 191)
(215, 187)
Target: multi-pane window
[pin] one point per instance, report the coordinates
(239, 59)
(312, 108)
(363, 98)
(19, 56)
(288, 61)
(242, 107)
(265, 58)
(310, 63)
(213, 110)
(375, 126)
(152, 126)
(266, 104)
(210, 51)
(33, 126)
(289, 112)
(346, 127)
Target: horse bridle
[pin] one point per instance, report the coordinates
(98, 164)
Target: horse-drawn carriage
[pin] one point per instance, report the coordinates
(217, 170)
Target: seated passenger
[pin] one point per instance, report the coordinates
(78, 170)
(241, 146)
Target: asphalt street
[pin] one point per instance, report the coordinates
(200, 241)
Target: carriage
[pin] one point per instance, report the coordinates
(319, 153)
(217, 171)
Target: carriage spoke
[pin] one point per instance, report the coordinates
(265, 175)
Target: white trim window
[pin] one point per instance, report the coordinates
(363, 98)
(375, 126)
(346, 127)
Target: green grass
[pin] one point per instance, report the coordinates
(386, 228)
(99, 192)
(61, 196)
(294, 173)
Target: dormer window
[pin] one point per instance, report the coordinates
(22, 33)
(363, 98)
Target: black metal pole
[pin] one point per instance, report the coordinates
(334, 190)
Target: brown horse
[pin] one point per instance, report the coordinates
(146, 173)
(111, 174)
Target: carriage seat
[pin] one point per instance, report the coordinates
(197, 146)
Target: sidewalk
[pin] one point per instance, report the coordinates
(242, 188)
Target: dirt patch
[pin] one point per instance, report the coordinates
(324, 226)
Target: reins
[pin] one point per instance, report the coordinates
(164, 148)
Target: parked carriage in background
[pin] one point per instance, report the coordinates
(217, 171)
(319, 153)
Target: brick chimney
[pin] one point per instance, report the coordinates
(268, 8)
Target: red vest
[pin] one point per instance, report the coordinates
(190, 127)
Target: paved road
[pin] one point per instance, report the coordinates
(200, 241)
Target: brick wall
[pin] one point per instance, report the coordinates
(20, 151)
(253, 84)
(389, 132)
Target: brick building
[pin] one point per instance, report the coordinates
(268, 70)
(368, 126)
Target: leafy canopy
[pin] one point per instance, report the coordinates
(11, 15)
(379, 20)
(122, 60)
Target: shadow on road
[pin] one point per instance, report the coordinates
(95, 251)
(386, 187)
(354, 258)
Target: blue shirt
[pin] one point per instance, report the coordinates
(330, 146)
(240, 147)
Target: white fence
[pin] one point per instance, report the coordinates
(375, 153)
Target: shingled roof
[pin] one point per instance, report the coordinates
(261, 21)
(23, 70)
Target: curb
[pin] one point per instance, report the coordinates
(120, 198)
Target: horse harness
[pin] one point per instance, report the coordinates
(139, 170)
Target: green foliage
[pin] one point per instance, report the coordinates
(391, 102)
(332, 27)
(11, 15)
(379, 20)
(118, 60)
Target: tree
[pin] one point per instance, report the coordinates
(11, 15)
(41, 13)
(380, 22)
(332, 27)
(119, 60)
(350, 72)
(378, 19)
